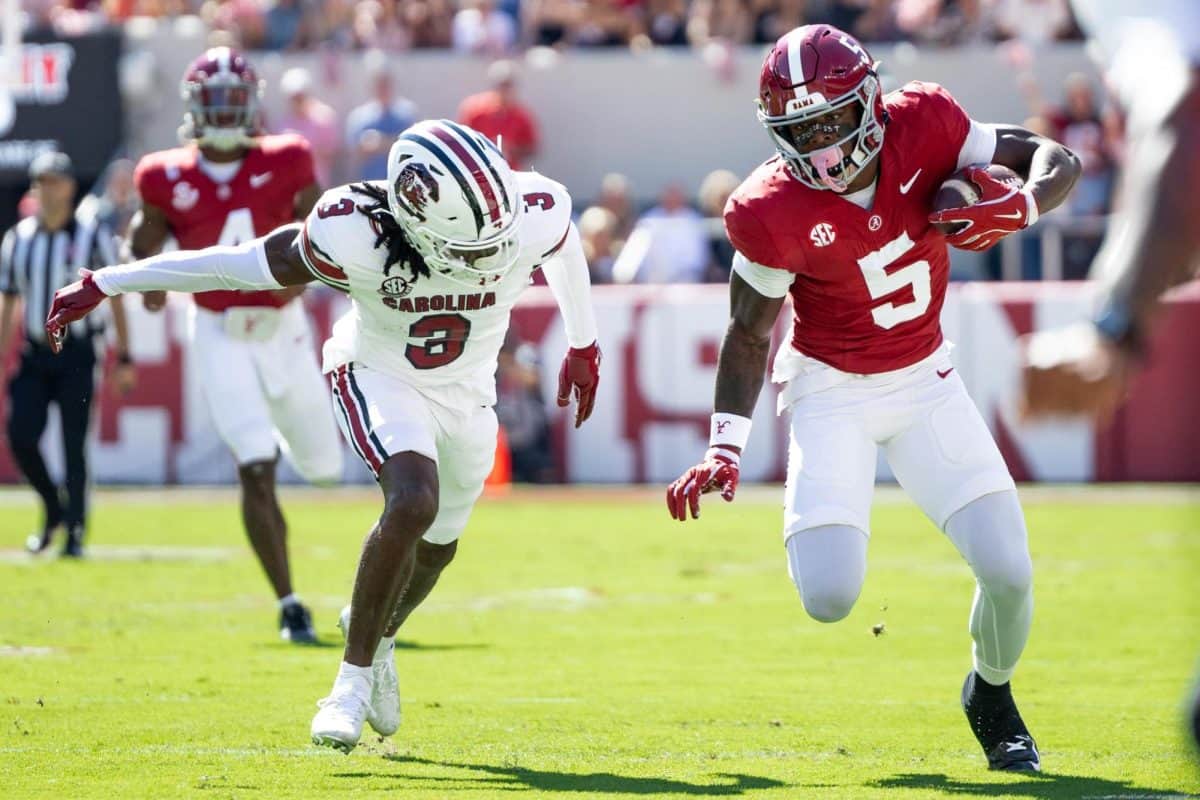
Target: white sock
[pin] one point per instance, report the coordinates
(990, 534)
(353, 679)
(288, 600)
(386, 645)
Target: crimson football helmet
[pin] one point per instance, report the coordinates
(221, 91)
(810, 72)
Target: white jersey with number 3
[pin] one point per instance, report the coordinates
(430, 331)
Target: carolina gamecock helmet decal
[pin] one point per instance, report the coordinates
(455, 196)
(810, 72)
(221, 91)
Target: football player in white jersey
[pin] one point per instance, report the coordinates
(433, 259)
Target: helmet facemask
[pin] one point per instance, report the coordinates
(475, 263)
(221, 115)
(829, 167)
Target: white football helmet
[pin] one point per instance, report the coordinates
(455, 196)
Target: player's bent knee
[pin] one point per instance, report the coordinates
(1010, 576)
(828, 606)
(257, 477)
(409, 510)
(435, 556)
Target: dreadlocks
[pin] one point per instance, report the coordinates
(399, 250)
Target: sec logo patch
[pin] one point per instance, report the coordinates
(395, 286)
(875, 222)
(822, 234)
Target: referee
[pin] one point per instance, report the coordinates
(38, 256)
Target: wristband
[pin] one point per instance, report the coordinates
(729, 429)
(124, 359)
(1032, 212)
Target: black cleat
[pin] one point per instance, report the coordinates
(295, 625)
(73, 547)
(997, 725)
(40, 542)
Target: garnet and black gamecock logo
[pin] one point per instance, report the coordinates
(415, 187)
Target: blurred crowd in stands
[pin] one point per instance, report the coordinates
(501, 27)
(678, 237)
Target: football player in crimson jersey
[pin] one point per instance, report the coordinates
(840, 220)
(253, 350)
(433, 260)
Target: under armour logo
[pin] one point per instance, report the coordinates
(721, 426)
(1018, 743)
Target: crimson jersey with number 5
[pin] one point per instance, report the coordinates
(431, 331)
(869, 282)
(201, 212)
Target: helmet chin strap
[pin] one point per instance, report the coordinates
(825, 159)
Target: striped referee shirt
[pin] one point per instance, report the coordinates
(35, 263)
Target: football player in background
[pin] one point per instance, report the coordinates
(433, 259)
(1152, 50)
(840, 220)
(253, 350)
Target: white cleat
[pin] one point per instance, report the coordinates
(339, 720)
(384, 713)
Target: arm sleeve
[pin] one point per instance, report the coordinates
(979, 146)
(567, 275)
(243, 266)
(767, 281)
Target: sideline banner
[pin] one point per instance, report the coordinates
(651, 418)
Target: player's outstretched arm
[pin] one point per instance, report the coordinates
(569, 281)
(1085, 369)
(741, 369)
(269, 262)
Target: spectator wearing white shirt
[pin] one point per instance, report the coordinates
(480, 28)
(669, 244)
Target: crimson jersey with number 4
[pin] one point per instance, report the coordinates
(259, 197)
(431, 331)
(869, 282)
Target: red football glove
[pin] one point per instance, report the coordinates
(71, 303)
(719, 470)
(1001, 210)
(580, 375)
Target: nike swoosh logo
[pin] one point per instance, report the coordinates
(1014, 215)
(258, 180)
(944, 374)
(904, 187)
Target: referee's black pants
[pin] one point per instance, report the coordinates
(67, 379)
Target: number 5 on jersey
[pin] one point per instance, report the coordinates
(880, 283)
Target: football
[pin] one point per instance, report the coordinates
(958, 191)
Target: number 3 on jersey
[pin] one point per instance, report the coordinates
(445, 338)
(880, 283)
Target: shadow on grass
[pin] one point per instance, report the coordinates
(335, 643)
(1036, 785)
(517, 778)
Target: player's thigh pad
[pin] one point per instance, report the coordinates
(465, 456)
(301, 408)
(229, 382)
(381, 415)
(831, 466)
(946, 456)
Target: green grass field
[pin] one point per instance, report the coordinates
(587, 646)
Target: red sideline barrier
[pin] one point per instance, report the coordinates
(651, 419)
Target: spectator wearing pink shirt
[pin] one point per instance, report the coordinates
(312, 119)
